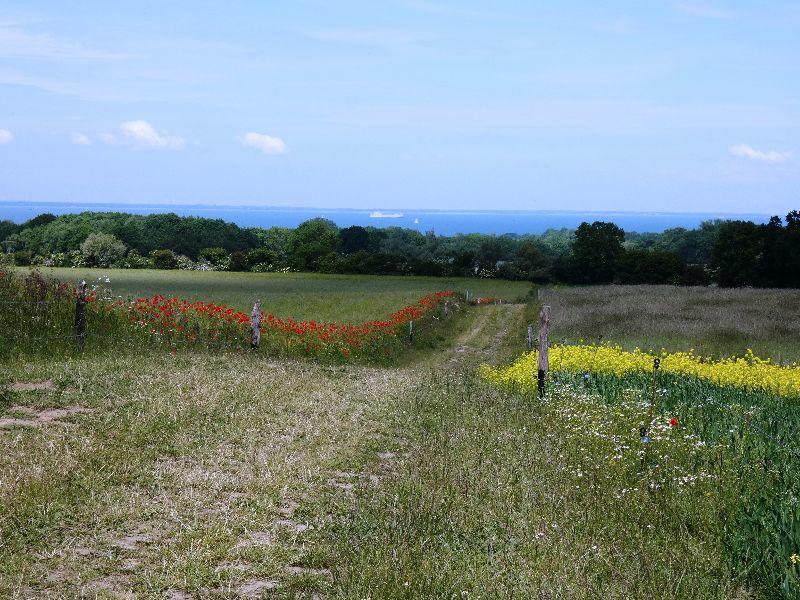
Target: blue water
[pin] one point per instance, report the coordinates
(442, 222)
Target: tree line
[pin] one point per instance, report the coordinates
(728, 253)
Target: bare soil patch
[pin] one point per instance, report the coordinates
(38, 418)
(27, 386)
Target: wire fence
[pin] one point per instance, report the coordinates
(61, 322)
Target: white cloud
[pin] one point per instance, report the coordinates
(263, 142)
(81, 139)
(705, 11)
(772, 156)
(142, 135)
(6, 137)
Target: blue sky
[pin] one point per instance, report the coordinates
(649, 106)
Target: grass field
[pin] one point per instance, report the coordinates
(713, 321)
(341, 298)
(213, 474)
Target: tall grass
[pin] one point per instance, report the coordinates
(714, 321)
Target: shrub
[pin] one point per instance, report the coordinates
(263, 268)
(76, 259)
(58, 259)
(261, 256)
(184, 263)
(134, 260)
(238, 261)
(164, 259)
(216, 256)
(103, 249)
(23, 258)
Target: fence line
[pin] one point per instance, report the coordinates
(80, 332)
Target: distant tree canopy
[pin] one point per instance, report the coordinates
(730, 253)
(182, 235)
(596, 251)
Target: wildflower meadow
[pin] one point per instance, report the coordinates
(729, 425)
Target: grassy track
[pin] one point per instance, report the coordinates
(342, 298)
(195, 474)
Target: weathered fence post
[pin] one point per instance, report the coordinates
(530, 338)
(467, 296)
(411, 331)
(80, 315)
(255, 324)
(544, 350)
(446, 309)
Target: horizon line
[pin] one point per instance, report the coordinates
(81, 203)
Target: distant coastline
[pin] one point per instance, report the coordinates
(443, 221)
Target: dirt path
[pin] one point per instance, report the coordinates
(483, 341)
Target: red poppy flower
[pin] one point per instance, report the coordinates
(673, 422)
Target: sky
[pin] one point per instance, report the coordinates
(578, 105)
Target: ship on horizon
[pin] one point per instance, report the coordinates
(382, 215)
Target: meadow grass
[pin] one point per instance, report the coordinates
(713, 321)
(232, 474)
(506, 496)
(196, 474)
(340, 298)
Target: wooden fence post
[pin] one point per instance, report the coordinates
(544, 350)
(80, 316)
(446, 309)
(530, 338)
(255, 325)
(411, 331)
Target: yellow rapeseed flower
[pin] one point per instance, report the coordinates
(748, 373)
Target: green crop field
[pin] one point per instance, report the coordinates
(341, 298)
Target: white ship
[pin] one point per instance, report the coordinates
(382, 215)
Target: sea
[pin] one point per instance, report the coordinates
(443, 222)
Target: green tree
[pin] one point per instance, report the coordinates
(354, 239)
(164, 259)
(216, 256)
(595, 252)
(102, 250)
(737, 253)
(260, 256)
(39, 220)
(531, 261)
(311, 242)
(275, 239)
(238, 261)
(6, 229)
(637, 266)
